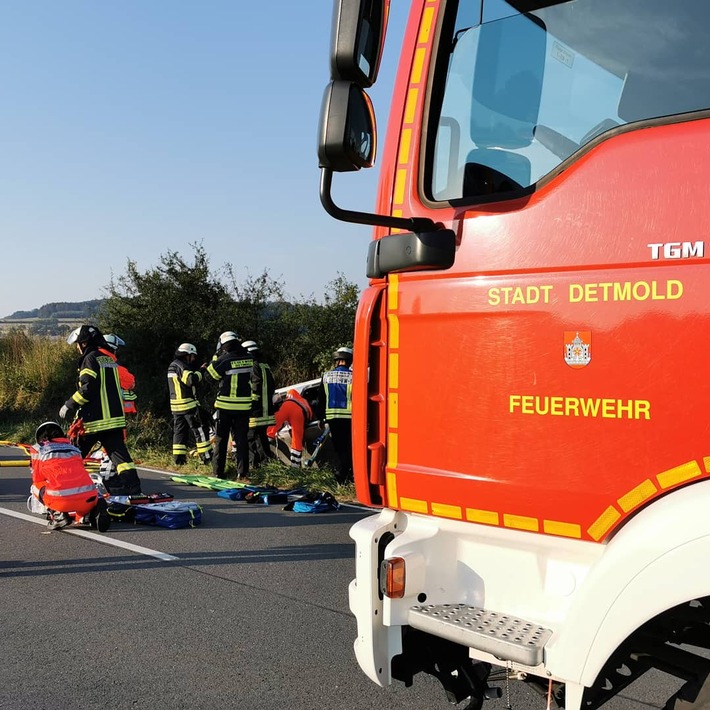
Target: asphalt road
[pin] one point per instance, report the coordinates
(252, 613)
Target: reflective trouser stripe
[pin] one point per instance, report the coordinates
(70, 491)
(125, 467)
(203, 447)
(262, 421)
(338, 414)
(179, 449)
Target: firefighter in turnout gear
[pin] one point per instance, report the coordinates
(125, 376)
(262, 406)
(98, 402)
(335, 407)
(183, 381)
(232, 370)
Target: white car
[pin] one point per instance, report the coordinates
(281, 445)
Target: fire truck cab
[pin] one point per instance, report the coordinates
(530, 390)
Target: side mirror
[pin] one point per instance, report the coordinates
(357, 40)
(347, 135)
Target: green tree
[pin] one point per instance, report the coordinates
(186, 301)
(157, 309)
(309, 331)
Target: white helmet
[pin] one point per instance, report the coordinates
(84, 334)
(250, 346)
(227, 337)
(343, 354)
(188, 348)
(114, 342)
(73, 337)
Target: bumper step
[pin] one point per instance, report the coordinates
(502, 635)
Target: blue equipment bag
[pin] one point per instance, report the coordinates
(173, 515)
(314, 503)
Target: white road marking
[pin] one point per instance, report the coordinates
(96, 537)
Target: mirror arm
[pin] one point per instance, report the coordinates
(412, 224)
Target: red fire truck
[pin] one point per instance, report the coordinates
(531, 397)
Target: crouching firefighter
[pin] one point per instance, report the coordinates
(183, 381)
(60, 481)
(98, 401)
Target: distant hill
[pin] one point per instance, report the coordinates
(82, 310)
(55, 319)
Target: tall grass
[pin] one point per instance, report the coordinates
(37, 375)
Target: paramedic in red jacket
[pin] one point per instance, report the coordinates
(60, 481)
(125, 376)
(296, 412)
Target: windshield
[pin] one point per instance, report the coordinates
(523, 92)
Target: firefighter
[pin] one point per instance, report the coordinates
(60, 481)
(98, 402)
(183, 380)
(262, 406)
(232, 369)
(125, 376)
(335, 407)
(296, 412)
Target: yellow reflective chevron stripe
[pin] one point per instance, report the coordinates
(182, 405)
(105, 424)
(180, 400)
(234, 403)
(104, 394)
(87, 371)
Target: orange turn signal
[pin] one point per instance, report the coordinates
(395, 577)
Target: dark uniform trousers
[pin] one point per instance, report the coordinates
(237, 423)
(183, 424)
(126, 481)
(341, 433)
(259, 447)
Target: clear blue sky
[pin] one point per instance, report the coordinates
(133, 127)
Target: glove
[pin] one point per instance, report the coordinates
(63, 412)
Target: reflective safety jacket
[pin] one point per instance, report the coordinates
(233, 370)
(262, 395)
(58, 466)
(128, 382)
(182, 383)
(98, 393)
(336, 394)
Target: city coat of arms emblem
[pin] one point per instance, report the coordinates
(578, 348)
